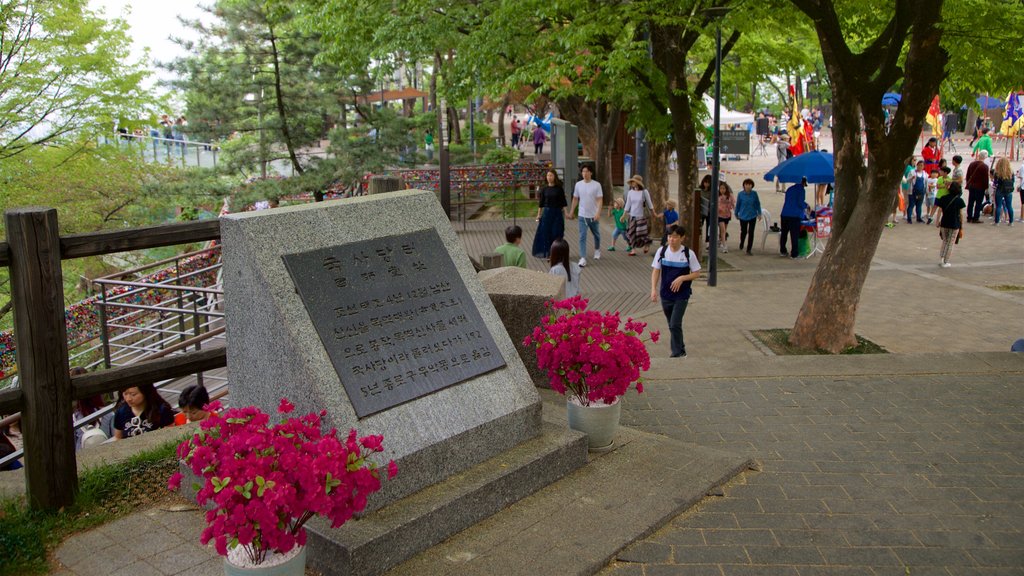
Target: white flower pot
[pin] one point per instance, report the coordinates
(598, 421)
(291, 565)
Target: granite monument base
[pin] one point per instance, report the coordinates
(375, 543)
(519, 296)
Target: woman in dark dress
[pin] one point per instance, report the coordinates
(550, 215)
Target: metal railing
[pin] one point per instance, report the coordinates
(185, 317)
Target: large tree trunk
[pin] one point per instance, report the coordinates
(596, 133)
(865, 195)
(657, 175)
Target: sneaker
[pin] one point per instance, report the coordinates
(995, 223)
(583, 262)
(597, 254)
(749, 253)
(612, 249)
(929, 219)
(947, 265)
(725, 249)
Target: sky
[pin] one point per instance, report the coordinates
(152, 23)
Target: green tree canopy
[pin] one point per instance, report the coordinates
(62, 68)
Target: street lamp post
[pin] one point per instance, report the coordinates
(716, 13)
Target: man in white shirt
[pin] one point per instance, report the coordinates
(588, 196)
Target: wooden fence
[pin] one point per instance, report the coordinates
(33, 252)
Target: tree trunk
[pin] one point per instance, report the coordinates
(454, 128)
(827, 318)
(501, 118)
(279, 96)
(657, 176)
(596, 136)
(438, 123)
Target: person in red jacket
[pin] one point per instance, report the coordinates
(977, 180)
(931, 154)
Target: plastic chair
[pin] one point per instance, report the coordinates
(766, 222)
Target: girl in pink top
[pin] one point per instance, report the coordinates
(726, 204)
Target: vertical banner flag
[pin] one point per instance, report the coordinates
(934, 117)
(794, 126)
(1013, 116)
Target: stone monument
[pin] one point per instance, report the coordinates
(369, 308)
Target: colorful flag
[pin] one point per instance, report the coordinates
(934, 117)
(1013, 116)
(795, 125)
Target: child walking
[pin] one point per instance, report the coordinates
(726, 204)
(616, 210)
(951, 222)
(669, 217)
(748, 210)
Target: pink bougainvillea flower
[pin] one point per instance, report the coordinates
(655, 336)
(262, 481)
(585, 352)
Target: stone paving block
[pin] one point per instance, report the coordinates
(103, 562)
(836, 571)
(791, 506)
(773, 521)
(181, 558)
(691, 570)
(646, 552)
(998, 558)
(741, 570)
(919, 556)
(862, 556)
(785, 555)
(750, 537)
(882, 538)
(84, 546)
(710, 555)
(800, 537)
(136, 568)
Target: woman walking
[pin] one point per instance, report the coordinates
(1002, 185)
(950, 222)
(748, 210)
(550, 215)
(726, 204)
(638, 231)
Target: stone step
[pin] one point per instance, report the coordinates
(397, 532)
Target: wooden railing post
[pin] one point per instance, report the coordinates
(40, 334)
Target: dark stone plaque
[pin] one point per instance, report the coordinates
(395, 317)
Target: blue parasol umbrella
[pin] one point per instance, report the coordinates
(891, 99)
(817, 167)
(989, 102)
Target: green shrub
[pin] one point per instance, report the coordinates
(501, 155)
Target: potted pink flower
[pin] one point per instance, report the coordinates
(592, 361)
(262, 482)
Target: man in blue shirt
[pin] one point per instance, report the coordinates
(793, 210)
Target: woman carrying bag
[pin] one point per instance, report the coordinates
(638, 231)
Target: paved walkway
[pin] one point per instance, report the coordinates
(915, 470)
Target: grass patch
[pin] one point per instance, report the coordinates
(1007, 288)
(105, 493)
(777, 340)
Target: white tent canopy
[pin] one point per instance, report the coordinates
(727, 116)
